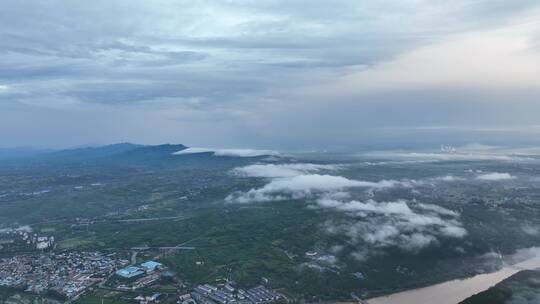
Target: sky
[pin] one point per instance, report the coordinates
(270, 74)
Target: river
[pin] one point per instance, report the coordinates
(455, 291)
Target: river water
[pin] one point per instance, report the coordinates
(455, 291)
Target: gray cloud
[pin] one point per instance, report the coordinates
(241, 67)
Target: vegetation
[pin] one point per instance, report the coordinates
(144, 199)
(523, 287)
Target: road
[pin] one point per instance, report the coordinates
(134, 257)
(165, 247)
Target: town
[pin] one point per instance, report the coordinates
(68, 276)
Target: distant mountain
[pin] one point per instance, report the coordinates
(88, 153)
(131, 155)
(165, 149)
(145, 154)
(23, 152)
(163, 156)
(33, 156)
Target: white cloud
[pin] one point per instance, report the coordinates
(468, 152)
(380, 236)
(360, 255)
(442, 156)
(522, 255)
(310, 182)
(478, 147)
(281, 170)
(417, 241)
(530, 229)
(328, 259)
(193, 151)
(449, 178)
(496, 176)
(409, 226)
(306, 185)
(24, 228)
(228, 152)
(437, 209)
(454, 231)
(398, 207)
(245, 152)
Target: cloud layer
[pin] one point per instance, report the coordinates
(274, 74)
(382, 224)
(228, 152)
(307, 186)
(281, 170)
(367, 224)
(496, 176)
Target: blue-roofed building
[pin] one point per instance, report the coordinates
(129, 272)
(151, 265)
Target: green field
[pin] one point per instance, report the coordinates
(114, 206)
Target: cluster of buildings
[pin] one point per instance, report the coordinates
(68, 274)
(135, 277)
(135, 271)
(143, 276)
(41, 242)
(33, 239)
(130, 272)
(81, 223)
(227, 294)
(154, 298)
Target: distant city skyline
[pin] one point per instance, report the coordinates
(269, 74)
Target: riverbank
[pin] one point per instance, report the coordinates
(455, 291)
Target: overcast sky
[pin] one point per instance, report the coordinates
(269, 74)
